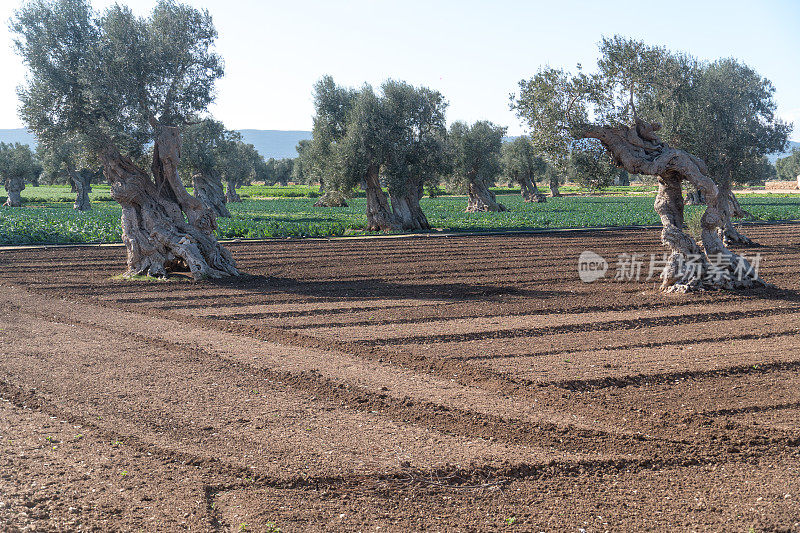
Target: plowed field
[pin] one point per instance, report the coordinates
(466, 383)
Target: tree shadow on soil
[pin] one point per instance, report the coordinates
(380, 289)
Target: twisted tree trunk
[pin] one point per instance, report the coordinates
(407, 210)
(82, 184)
(14, 187)
(694, 197)
(208, 189)
(164, 228)
(638, 150)
(480, 198)
(530, 192)
(554, 192)
(231, 195)
(729, 209)
(379, 214)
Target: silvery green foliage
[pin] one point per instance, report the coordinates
(108, 76)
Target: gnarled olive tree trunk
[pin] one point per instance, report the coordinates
(407, 210)
(729, 209)
(379, 214)
(639, 151)
(164, 228)
(530, 192)
(208, 189)
(554, 192)
(231, 195)
(480, 198)
(694, 197)
(82, 184)
(14, 187)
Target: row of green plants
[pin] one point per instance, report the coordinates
(57, 223)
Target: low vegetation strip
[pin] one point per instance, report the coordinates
(47, 218)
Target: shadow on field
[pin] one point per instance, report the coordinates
(380, 289)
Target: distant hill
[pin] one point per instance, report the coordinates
(275, 143)
(792, 145)
(269, 143)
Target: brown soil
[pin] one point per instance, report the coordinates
(397, 385)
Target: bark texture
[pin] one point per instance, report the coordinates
(82, 185)
(554, 192)
(638, 150)
(379, 214)
(694, 197)
(480, 198)
(407, 210)
(164, 228)
(208, 189)
(530, 192)
(231, 195)
(730, 209)
(14, 188)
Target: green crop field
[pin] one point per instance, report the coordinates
(48, 217)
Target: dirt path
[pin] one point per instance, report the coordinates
(409, 384)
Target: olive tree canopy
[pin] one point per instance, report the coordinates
(523, 166)
(122, 81)
(562, 109)
(394, 138)
(476, 152)
(17, 165)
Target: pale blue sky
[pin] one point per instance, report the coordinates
(473, 52)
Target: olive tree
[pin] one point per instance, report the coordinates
(69, 157)
(788, 168)
(238, 163)
(523, 166)
(416, 153)
(123, 82)
(557, 106)
(201, 159)
(17, 165)
(332, 104)
(591, 167)
(279, 171)
(722, 112)
(395, 137)
(476, 151)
